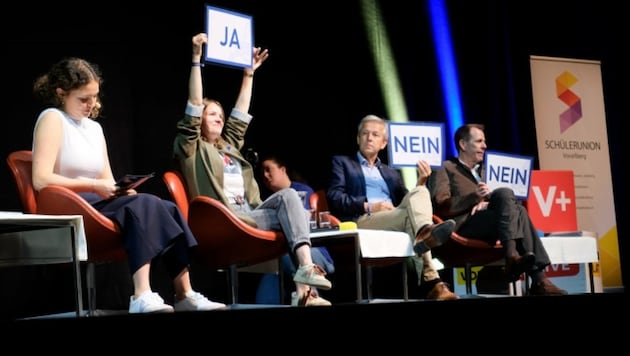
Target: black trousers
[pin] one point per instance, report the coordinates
(506, 219)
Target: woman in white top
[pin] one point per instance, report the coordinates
(69, 149)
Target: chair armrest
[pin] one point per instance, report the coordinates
(224, 239)
(213, 210)
(58, 200)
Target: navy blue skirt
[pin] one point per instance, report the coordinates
(150, 227)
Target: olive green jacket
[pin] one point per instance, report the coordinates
(201, 164)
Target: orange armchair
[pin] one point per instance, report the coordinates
(224, 240)
(104, 243)
(460, 251)
(20, 165)
(177, 190)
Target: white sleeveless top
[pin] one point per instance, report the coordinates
(81, 152)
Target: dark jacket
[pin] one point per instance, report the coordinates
(453, 191)
(346, 191)
(201, 162)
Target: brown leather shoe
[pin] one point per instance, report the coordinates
(441, 292)
(546, 287)
(433, 235)
(517, 265)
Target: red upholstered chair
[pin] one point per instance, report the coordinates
(224, 240)
(460, 251)
(104, 243)
(20, 165)
(176, 188)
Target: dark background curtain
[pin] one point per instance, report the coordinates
(319, 80)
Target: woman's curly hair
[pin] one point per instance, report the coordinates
(68, 74)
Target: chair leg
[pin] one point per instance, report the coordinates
(90, 277)
(468, 278)
(280, 282)
(233, 283)
(404, 281)
(369, 282)
(524, 286)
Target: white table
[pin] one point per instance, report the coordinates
(566, 248)
(382, 244)
(370, 246)
(34, 239)
(573, 249)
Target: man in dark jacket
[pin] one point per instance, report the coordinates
(458, 192)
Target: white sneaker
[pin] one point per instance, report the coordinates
(196, 301)
(148, 302)
(312, 275)
(310, 299)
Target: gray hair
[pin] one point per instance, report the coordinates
(374, 118)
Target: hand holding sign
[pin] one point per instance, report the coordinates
(411, 142)
(483, 191)
(230, 37)
(508, 170)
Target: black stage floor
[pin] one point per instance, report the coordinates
(563, 323)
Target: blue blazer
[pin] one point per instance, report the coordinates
(346, 191)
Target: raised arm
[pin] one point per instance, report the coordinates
(195, 86)
(245, 94)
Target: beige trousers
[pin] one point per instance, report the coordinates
(413, 212)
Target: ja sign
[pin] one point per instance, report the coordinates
(230, 38)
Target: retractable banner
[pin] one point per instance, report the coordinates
(571, 134)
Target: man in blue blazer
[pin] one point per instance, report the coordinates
(364, 190)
